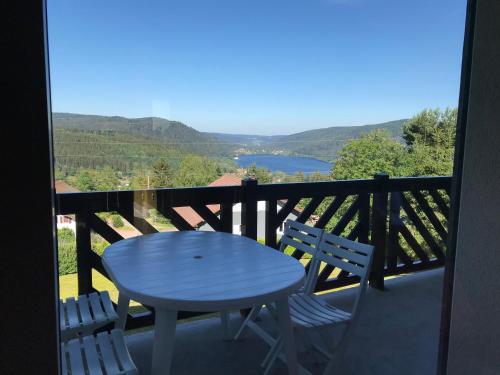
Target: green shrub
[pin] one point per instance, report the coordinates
(98, 243)
(156, 217)
(116, 221)
(105, 215)
(99, 246)
(66, 247)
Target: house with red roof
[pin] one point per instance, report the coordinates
(197, 222)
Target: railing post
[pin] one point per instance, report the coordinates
(249, 209)
(226, 216)
(83, 249)
(271, 224)
(379, 231)
(249, 215)
(364, 217)
(395, 224)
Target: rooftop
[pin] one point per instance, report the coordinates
(63, 187)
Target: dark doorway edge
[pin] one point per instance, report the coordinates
(463, 105)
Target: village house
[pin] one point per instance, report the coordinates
(197, 222)
(65, 221)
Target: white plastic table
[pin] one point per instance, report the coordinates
(201, 271)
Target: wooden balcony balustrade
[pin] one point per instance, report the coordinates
(404, 218)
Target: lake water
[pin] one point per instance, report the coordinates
(287, 164)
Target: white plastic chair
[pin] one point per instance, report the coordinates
(105, 353)
(81, 317)
(298, 236)
(310, 313)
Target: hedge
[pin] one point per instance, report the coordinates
(67, 250)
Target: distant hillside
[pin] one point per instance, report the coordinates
(319, 143)
(324, 143)
(163, 130)
(98, 148)
(244, 139)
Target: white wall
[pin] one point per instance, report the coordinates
(261, 220)
(62, 222)
(474, 346)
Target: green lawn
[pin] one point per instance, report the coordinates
(162, 226)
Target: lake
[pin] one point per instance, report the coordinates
(287, 164)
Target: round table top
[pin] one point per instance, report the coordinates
(200, 271)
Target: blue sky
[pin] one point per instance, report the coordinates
(256, 66)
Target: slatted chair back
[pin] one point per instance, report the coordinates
(350, 256)
(304, 238)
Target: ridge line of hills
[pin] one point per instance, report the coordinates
(315, 142)
(388, 124)
(167, 138)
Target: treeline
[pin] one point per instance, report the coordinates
(193, 170)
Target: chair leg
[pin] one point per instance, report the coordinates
(272, 355)
(251, 316)
(276, 352)
(224, 318)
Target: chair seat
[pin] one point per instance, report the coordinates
(104, 354)
(310, 311)
(86, 314)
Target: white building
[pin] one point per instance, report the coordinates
(65, 221)
(261, 219)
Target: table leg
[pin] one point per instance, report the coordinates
(163, 343)
(122, 311)
(286, 330)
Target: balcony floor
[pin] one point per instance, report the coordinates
(398, 334)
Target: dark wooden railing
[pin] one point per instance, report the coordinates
(404, 218)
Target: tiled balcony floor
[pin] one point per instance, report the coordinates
(398, 335)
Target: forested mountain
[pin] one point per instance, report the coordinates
(162, 130)
(320, 143)
(122, 151)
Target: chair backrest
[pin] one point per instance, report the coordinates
(350, 256)
(304, 238)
